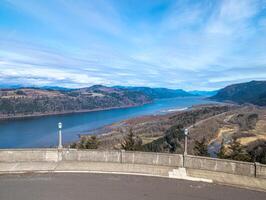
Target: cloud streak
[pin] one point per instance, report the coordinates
(176, 44)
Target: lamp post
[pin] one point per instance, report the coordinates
(60, 125)
(186, 135)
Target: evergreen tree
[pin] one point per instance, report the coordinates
(258, 153)
(92, 142)
(131, 143)
(173, 136)
(201, 147)
(87, 142)
(238, 152)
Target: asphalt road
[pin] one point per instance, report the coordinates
(114, 187)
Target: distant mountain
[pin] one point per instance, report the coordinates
(54, 88)
(252, 92)
(158, 93)
(38, 101)
(8, 86)
(203, 93)
(20, 101)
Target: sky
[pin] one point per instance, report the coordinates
(188, 44)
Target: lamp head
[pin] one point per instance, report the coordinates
(60, 125)
(186, 132)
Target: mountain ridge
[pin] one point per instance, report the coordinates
(160, 92)
(47, 100)
(36, 101)
(253, 92)
(156, 92)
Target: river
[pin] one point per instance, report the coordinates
(42, 131)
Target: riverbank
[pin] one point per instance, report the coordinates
(36, 115)
(42, 131)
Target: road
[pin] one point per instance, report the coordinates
(114, 187)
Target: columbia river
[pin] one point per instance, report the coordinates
(42, 131)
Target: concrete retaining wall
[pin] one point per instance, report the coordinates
(123, 157)
(28, 155)
(229, 179)
(152, 158)
(145, 158)
(220, 165)
(260, 170)
(91, 155)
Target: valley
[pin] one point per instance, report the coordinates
(155, 123)
(218, 124)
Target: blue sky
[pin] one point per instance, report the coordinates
(189, 44)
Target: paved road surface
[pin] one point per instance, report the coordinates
(114, 187)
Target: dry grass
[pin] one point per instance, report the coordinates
(229, 130)
(260, 128)
(29, 93)
(226, 130)
(248, 140)
(146, 140)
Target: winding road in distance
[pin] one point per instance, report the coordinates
(115, 187)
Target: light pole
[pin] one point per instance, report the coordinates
(186, 135)
(60, 125)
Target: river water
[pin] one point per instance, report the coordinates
(42, 131)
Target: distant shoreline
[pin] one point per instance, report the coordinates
(42, 131)
(36, 115)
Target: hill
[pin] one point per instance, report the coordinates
(158, 131)
(159, 93)
(37, 101)
(218, 123)
(253, 92)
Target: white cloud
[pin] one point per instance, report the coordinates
(186, 44)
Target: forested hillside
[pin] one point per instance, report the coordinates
(33, 101)
(252, 92)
